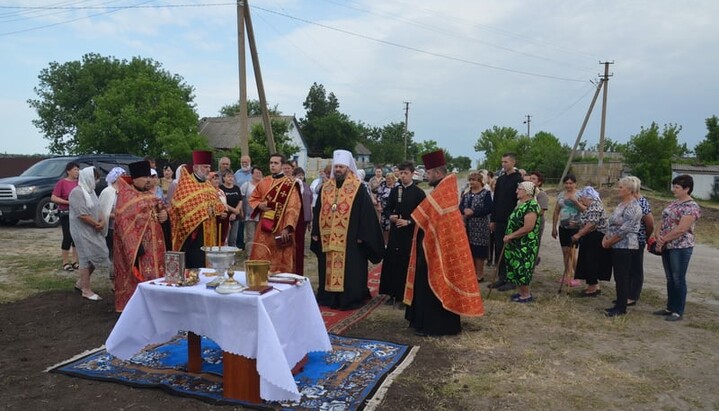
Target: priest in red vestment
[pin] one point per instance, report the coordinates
(138, 243)
(278, 202)
(441, 281)
(195, 206)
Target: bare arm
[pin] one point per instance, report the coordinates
(530, 219)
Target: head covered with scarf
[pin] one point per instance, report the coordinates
(114, 174)
(528, 187)
(589, 192)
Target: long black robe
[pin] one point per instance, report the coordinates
(399, 245)
(364, 226)
(426, 314)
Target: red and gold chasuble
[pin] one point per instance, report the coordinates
(334, 222)
(136, 225)
(450, 267)
(195, 203)
(282, 195)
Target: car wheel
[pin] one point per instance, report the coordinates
(47, 215)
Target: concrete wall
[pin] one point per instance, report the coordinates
(591, 174)
(703, 184)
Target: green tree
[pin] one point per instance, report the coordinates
(496, 141)
(324, 127)
(544, 153)
(258, 144)
(708, 149)
(424, 147)
(102, 104)
(650, 154)
(254, 108)
(462, 163)
(387, 143)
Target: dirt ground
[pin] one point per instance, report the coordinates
(556, 353)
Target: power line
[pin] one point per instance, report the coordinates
(418, 50)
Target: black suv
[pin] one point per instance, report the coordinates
(27, 196)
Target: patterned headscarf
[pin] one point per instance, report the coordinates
(588, 192)
(528, 187)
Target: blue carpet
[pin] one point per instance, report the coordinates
(342, 379)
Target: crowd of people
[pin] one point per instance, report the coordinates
(435, 246)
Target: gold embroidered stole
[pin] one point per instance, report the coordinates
(277, 198)
(192, 205)
(334, 224)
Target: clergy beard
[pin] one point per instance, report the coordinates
(435, 182)
(200, 178)
(339, 180)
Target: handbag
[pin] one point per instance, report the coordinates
(652, 246)
(267, 221)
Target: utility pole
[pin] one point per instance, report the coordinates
(581, 131)
(244, 127)
(406, 118)
(605, 81)
(528, 121)
(244, 21)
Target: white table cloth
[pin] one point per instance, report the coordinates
(277, 328)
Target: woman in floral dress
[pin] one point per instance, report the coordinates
(383, 191)
(521, 241)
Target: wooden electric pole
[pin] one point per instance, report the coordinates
(581, 132)
(244, 127)
(528, 121)
(406, 118)
(605, 81)
(244, 21)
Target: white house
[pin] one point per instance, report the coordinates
(224, 133)
(706, 178)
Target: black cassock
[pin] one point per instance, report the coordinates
(364, 226)
(402, 201)
(426, 314)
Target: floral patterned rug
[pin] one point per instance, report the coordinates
(348, 378)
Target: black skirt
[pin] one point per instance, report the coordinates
(594, 261)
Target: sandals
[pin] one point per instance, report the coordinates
(93, 297)
(75, 265)
(67, 267)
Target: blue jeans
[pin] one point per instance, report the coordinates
(676, 262)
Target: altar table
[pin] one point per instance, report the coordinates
(277, 329)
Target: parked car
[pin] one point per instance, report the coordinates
(27, 196)
(420, 174)
(369, 171)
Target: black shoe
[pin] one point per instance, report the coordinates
(633, 303)
(506, 287)
(595, 293)
(662, 312)
(673, 317)
(389, 301)
(497, 284)
(614, 312)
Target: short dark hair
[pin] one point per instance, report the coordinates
(71, 165)
(298, 170)
(510, 155)
(685, 181)
(540, 177)
(255, 168)
(406, 165)
(282, 158)
(288, 163)
(569, 177)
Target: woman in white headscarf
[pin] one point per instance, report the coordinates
(86, 227)
(108, 199)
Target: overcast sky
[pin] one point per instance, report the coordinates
(464, 65)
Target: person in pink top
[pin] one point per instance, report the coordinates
(60, 196)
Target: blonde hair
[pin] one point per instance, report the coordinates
(631, 183)
(476, 175)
